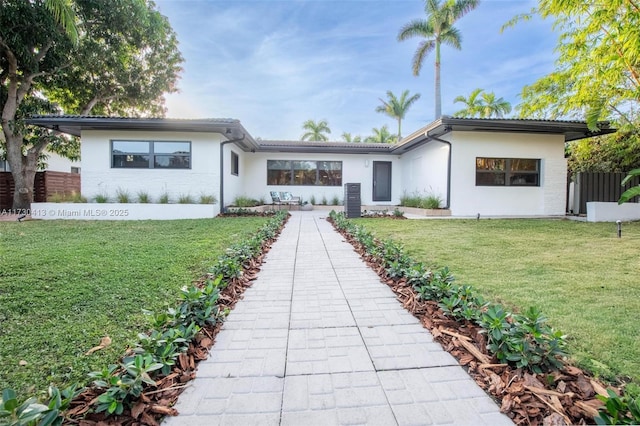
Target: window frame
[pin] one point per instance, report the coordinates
(235, 163)
(152, 154)
(320, 168)
(508, 173)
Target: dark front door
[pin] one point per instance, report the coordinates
(382, 181)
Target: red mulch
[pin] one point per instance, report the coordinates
(563, 397)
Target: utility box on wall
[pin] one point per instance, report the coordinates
(352, 201)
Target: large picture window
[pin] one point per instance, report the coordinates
(302, 172)
(150, 154)
(507, 171)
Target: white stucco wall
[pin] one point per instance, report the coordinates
(424, 170)
(58, 163)
(99, 178)
(467, 199)
(233, 185)
(356, 168)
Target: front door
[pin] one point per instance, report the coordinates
(382, 181)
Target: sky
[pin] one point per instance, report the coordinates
(273, 64)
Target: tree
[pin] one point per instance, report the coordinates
(482, 104)
(436, 29)
(473, 104)
(346, 136)
(316, 131)
(122, 60)
(597, 74)
(397, 108)
(381, 135)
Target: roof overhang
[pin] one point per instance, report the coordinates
(231, 129)
(571, 130)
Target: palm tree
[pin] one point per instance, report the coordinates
(397, 108)
(482, 104)
(473, 104)
(436, 29)
(348, 138)
(65, 16)
(381, 135)
(492, 106)
(316, 131)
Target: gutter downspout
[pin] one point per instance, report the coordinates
(437, 138)
(222, 144)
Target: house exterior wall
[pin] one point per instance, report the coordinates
(98, 177)
(467, 199)
(58, 163)
(356, 168)
(233, 185)
(424, 170)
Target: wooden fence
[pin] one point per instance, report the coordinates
(599, 187)
(46, 184)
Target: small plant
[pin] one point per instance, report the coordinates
(185, 199)
(12, 412)
(123, 196)
(431, 202)
(324, 200)
(73, 197)
(618, 410)
(208, 199)
(101, 198)
(335, 201)
(143, 197)
(398, 213)
(242, 201)
(164, 198)
(312, 200)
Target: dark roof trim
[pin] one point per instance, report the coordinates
(572, 130)
(75, 124)
(324, 147)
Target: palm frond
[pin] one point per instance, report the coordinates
(633, 173)
(629, 194)
(415, 28)
(65, 16)
(424, 48)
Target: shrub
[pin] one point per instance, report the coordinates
(312, 200)
(335, 201)
(324, 200)
(164, 198)
(101, 198)
(123, 196)
(185, 199)
(208, 199)
(73, 197)
(143, 197)
(242, 201)
(431, 202)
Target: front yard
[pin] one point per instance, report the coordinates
(582, 277)
(66, 284)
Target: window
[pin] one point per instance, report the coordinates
(75, 170)
(235, 164)
(150, 155)
(302, 172)
(507, 171)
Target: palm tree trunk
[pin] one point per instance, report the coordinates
(399, 129)
(437, 72)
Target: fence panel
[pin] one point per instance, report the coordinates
(601, 187)
(46, 184)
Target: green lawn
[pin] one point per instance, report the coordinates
(585, 279)
(65, 284)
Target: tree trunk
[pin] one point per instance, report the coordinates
(23, 170)
(438, 96)
(399, 129)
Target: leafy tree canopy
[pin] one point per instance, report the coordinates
(316, 131)
(597, 73)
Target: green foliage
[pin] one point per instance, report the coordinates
(143, 197)
(429, 201)
(316, 131)
(32, 412)
(436, 29)
(123, 196)
(482, 104)
(185, 199)
(208, 199)
(597, 73)
(398, 213)
(242, 201)
(101, 198)
(619, 152)
(73, 197)
(381, 135)
(164, 198)
(397, 108)
(335, 201)
(324, 200)
(631, 192)
(618, 410)
(312, 200)
(346, 136)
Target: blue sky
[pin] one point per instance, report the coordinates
(273, 64)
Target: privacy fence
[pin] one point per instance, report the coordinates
(597, 187)
(46, 184)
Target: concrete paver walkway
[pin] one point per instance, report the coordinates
(319, 340)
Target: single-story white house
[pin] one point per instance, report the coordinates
(505, 167)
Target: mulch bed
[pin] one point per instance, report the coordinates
(156, 403)
(563, 397)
